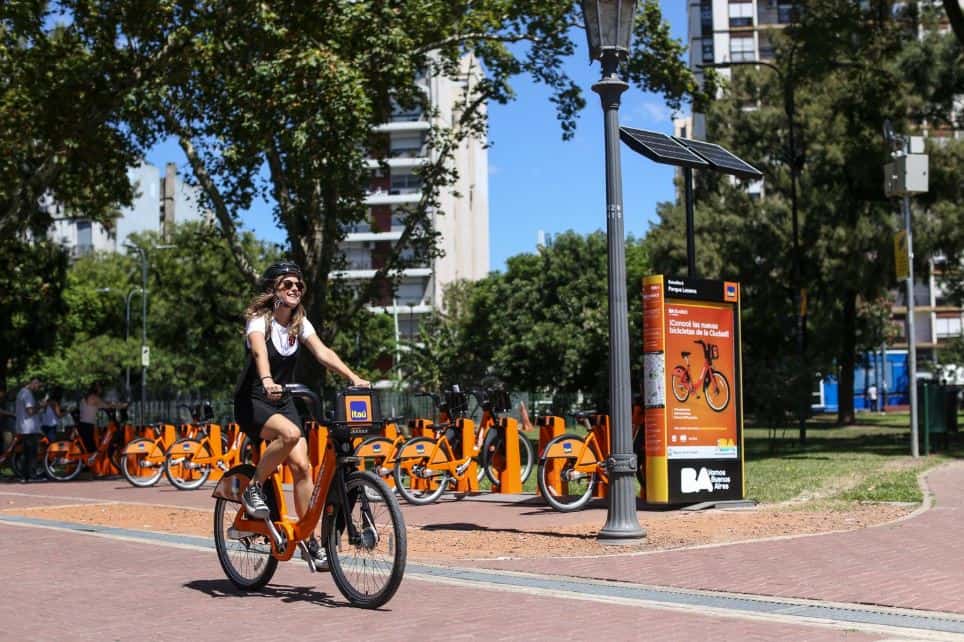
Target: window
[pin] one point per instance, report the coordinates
(411, 292)
(741, 14)
(405, 184)
(407, 145)
(707, 48)
(741, 48)
(948, 327)
(358, 258)
(786, 13)
(706, 17)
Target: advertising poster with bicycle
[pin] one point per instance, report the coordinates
(693, 409)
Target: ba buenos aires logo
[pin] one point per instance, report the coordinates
(358, 410)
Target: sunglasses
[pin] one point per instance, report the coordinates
(288, 284)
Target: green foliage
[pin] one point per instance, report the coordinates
(32, 277)
(540, 325)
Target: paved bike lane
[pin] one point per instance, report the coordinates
(61, 585)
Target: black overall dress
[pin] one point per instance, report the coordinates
(252, 408)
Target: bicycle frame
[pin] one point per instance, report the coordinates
(232, 485)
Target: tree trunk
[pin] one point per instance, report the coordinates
(848, 358)
(955, 15)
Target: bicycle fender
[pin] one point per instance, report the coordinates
(233, 483)
(420, 449)
(139, 446)
(566, 447)
(62, 447)
(679, 370)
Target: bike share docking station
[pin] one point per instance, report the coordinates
(693, 399)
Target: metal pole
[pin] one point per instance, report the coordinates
(911, 338)
(690, 234)
(143, 334)
(398, 354)
(622, 525)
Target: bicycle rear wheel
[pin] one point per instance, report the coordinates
(245, 558)
(136, 465)
(63, 463)
(369, 570)
(563, 453)
(717, 392)
(179, 467)
(494, 454)
(413, 456)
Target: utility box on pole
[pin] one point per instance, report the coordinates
(906, 175)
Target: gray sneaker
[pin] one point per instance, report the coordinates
(318, 557)
(253, 501)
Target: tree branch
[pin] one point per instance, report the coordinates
(228, 229)
(955, 15)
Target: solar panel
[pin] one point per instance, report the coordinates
(720, 159)
(660, 148)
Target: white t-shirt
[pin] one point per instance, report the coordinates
(279, 334)
(50, 417)
(27, 424)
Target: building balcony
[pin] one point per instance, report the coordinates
(393, 197)
(400, 162)
(373, 237)
(361, 275)
(403, 126)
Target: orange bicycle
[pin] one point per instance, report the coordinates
(188, 462)
(581, 463)
(65, 459)
(15, 457)
(713, 383)
(362, 528)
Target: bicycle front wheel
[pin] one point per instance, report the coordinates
(179, 466)
(367, 568)
(245, 557)
(562, 455)
(717, 392)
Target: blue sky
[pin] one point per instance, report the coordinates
(536, 180)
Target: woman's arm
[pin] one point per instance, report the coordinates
(259, 352)
(327, 357)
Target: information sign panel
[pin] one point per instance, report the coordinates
(692, 390)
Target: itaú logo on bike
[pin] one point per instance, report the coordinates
(358, 410)
(703, 481)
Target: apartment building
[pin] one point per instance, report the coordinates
(721, 31)
(160, 201)
(462, 219)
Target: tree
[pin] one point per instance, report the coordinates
(955, 15)
(540, 325)
(32, 277)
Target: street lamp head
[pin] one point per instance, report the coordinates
(163, 247)
(609, 26)
(103, 290)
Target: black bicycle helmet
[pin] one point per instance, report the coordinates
(270, 275)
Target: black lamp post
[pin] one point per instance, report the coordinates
(609, 25)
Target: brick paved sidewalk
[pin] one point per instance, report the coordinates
(915, 563)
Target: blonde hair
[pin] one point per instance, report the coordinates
(263, 305)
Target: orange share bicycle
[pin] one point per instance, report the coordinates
(571, 466)
(15, 457)
(188, 462)
(362, 528)
(66, 458)
(712, 382)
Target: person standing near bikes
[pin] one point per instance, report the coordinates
(276, 328)
(89, 405)
(28, 424)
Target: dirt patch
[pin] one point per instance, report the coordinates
(665, 530)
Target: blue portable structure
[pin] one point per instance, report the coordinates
(889, 374)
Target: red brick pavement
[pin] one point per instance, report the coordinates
(77, 587)
(915, 563)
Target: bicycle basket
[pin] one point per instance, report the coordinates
(358, 409)
(714, 351)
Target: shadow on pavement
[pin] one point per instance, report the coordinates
(467, 526)
(285, 593)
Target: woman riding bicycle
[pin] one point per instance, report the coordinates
(276, 327)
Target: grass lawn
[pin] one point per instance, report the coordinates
(867, 462)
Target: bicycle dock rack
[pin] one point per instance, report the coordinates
(551, 427)
(470, 481)
(214, 439)
(510, 471)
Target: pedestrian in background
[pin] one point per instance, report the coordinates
(89, 405)
(50, 420)
(28, 424)
(872, 397)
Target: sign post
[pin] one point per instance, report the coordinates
(693, 391)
